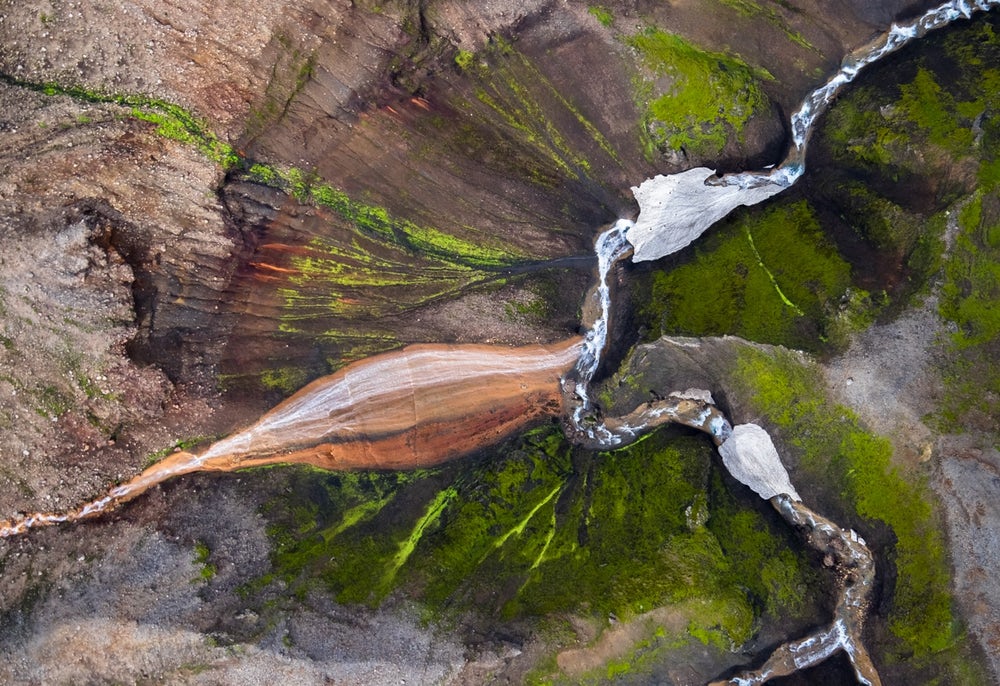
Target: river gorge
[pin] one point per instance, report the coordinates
(425, 405)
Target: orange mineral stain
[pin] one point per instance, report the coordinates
(416, 407)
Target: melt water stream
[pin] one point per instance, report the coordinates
(427, 404)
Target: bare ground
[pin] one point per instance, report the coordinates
(891, 377)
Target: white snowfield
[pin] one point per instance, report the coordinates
(750, 456)
(675, 210)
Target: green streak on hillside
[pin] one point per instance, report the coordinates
(409, 544)
(375, 221)
(711, 96)
(538, 122)
(518, 528)
(770, 275)
(172, 121)
(507, 86)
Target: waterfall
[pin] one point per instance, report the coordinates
(611, 246)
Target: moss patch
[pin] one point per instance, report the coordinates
(206, 570)
(769, 276)
(541, 529)
(969, 298)
(602, 14)
(836, 451)
(694, 99)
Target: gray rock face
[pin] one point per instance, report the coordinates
(752, 459)
(675, 210)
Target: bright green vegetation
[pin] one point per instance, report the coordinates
(284, 379)
(971, 299)
(937, 108)
(602, 14)
(936, 132)
(171, 120)
(972, 289)
(540, 529)
(375, 221)
(833, 449)
(768, 276)
(464, 59)
(207, 570)
(865, 129)
(711, 96)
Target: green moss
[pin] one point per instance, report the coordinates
(764, 560)
(171, 120)
(540, 530)
(936, 111)
(408, 545)
(464, 59)
(859, 132)
(284, 379)
(602, 14)
(924, 103)
(835, 450)
(536, 308)
(770, 276)
(972, 287)
(207, 570)
(969, 297)
(711, 96)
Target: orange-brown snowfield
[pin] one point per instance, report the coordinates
(417, 407)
